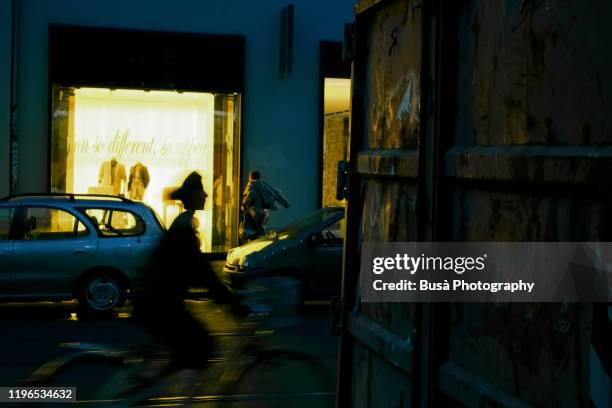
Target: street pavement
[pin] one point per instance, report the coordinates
(32, 334)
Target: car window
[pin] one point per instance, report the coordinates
(330, 236)
(335, 231)
(81, 229)
(6, 218)
(114, 222)
(50, 223)
(307, 223)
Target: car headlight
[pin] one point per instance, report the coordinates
(245, 261)
(249, 260)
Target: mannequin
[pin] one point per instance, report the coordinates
(112, 173)
(138, 182)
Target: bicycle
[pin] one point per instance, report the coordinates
(259, 375)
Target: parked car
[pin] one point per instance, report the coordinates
(309, 251)
(92, 248)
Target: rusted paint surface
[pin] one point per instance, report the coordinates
(395, 348)
(535, 72)
(398, 318)
(532, 127)
(378, 384)
(559, 165)
(496, 341)
(530, 73)
(392, 104)
(389, 216)
(364, 5)
(389, 211)
(392, 162)
(535, 352)
(474, 391)
(498, 216)
(394, 71)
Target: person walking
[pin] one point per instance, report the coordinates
(258, 199)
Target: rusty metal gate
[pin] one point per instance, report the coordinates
(477, 120)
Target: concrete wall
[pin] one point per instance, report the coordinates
(5, 92)
(280, 118)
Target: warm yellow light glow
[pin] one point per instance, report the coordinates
(170, 133)
(337, 95)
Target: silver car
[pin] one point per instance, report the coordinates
(309, 251)
(92, 248)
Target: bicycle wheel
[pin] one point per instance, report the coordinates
(98, 378)
(281, 378)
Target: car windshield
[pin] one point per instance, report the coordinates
(308, 223)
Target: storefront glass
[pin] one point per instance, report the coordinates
(142, 144)
(336, 97)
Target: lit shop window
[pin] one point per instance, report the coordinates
(142, 144)
(337, 93)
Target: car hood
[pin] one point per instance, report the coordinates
(261, 252)
(235, 256)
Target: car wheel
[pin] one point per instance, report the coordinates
(99, 295)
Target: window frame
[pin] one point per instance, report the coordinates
(319, 233)
(12, 233)
(19, 219)
(81, 210)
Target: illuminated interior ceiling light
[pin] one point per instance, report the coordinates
(337, 94)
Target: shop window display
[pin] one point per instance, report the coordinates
(141, 145)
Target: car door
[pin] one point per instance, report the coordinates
(123, 243)
(328, 245)
(6, 249)
(53, 248)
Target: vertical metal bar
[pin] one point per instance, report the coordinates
(444, 72)
(427, 183)
(429, 147)
(351, 261)
(424, 384)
